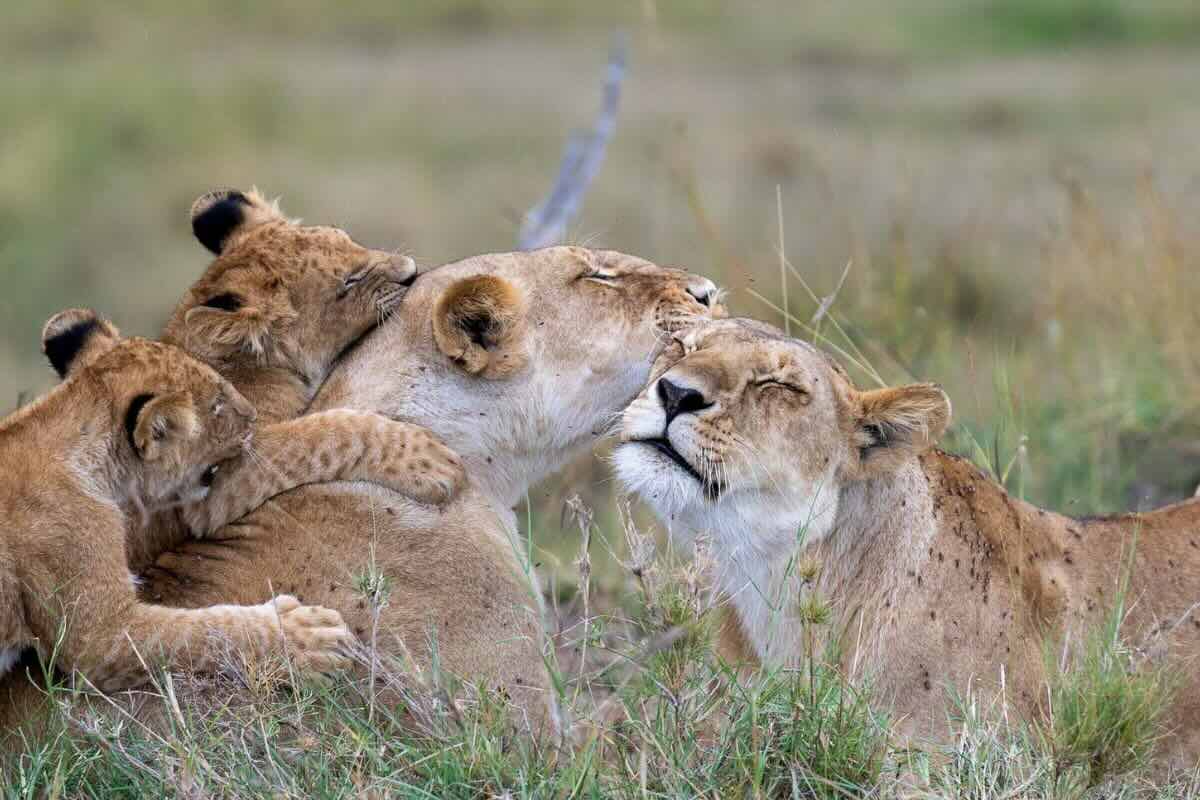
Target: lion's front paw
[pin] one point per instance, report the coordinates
(435, 473)
(317, 638)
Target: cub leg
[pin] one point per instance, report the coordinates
(337, 445)
(100, 628)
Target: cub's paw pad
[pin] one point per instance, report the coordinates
(318, 639)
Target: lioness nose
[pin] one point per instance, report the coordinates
(678, 399)
(704, 290)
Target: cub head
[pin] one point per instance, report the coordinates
(518, 359)
(173, 420)
(280, 294)
(754, 431)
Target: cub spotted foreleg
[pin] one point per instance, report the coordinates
(337, 445)
(91, 621)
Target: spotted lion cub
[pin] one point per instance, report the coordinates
(272, 314)
(335, 445)
(137, 426)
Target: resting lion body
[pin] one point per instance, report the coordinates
(139, 426)
(517, 361)
(940, 577)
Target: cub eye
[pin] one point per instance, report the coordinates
(225, 301)
(209, 475)
(354, 278)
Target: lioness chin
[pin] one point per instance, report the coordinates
(763, 445)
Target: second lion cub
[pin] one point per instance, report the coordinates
(139, 426)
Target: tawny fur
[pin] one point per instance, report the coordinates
(294, 298)
(460, 577)
(459, 574)
(134, 428)
(942, 580)
(477, 318)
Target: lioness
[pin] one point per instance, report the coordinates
(762, 443)
(139, 426)
(518, 362)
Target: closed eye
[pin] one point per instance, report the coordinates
(771, 383)
(354, 278)
(602, 276)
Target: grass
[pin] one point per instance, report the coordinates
(1024, 25)
(1013, 182)
(1105, 700)
(653, 713)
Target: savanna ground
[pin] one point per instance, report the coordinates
(1014, 183)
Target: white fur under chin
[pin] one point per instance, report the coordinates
(9, 657)
(755, 535)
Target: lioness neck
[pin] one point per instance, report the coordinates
(766, 573)
(504, 433)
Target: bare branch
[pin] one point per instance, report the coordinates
(546, 223)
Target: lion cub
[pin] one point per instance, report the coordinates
(137, 426)
(335, 445)
(272, 313)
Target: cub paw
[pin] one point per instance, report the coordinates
(317, 638)
(434, 474)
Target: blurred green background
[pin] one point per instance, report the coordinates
(1016, 183)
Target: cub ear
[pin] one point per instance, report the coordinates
(222, 326)
(479, 323)
(75, 337)
(155, 424)
(898, 423)
(219, 215)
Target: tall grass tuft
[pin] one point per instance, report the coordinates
(1106, 700)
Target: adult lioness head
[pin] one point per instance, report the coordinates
(753, 434)
(517, 359)
(281, 300)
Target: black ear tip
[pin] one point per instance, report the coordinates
(131, 417)
(216, 215)
(62, 345)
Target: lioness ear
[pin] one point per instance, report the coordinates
(219, 215)
(75, 337)
(154, 424)
(898, 423)
(479, 323)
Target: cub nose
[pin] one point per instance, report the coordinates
(678, 399)
(403, 268)
(704, 290)
(242, 407)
